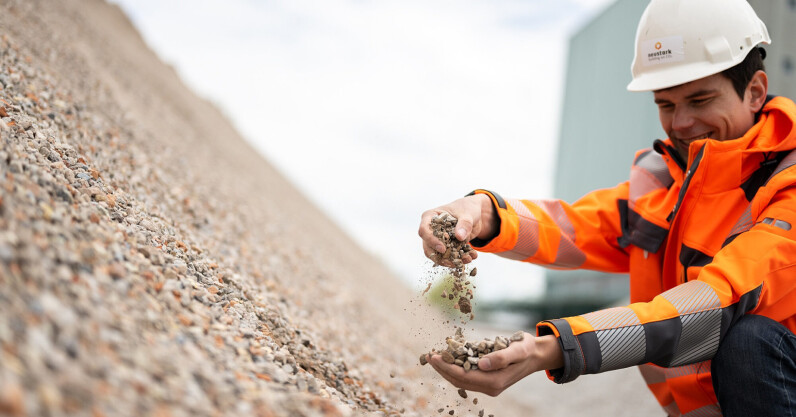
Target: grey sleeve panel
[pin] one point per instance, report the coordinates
(574, 363)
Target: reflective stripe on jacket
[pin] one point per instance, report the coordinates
(703, 246)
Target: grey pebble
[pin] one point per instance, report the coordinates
(15, 167)
(64, 194)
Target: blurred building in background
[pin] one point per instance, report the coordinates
(603, 125)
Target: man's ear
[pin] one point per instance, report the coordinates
(756, 91)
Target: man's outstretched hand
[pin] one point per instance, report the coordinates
(502, 369)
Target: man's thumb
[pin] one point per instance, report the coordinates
(495, 361)
(463, 228)
(485, 364)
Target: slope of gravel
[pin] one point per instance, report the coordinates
(152, 264)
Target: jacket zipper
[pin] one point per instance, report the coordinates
(662, 147)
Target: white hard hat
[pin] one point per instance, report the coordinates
(679, 41)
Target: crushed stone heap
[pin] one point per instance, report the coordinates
(152, 263)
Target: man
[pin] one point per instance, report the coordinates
(705, 226)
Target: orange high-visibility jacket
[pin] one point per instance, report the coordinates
(704, 245)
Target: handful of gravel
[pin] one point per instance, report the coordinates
(467, 354)
(442, 225)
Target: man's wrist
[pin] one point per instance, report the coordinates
(489, 219)
(549, 354)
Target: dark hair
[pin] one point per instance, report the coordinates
(741, 74)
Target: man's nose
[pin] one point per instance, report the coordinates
(683, 119)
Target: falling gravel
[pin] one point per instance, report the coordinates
(442, 226)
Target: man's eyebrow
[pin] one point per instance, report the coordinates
(700, 93)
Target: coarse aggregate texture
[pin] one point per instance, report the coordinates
(153, 264)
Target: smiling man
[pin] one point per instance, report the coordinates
(704, 226)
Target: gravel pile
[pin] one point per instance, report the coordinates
(112, 305)
(151, 263)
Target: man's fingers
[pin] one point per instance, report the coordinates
(469, 380)
(427, 235)
(445, 370)
(435, 256)
(456, 375)
(469, 256)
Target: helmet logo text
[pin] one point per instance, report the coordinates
(662, 50)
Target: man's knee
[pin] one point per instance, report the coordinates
(725, 362)
(748, 345)
(754, 370)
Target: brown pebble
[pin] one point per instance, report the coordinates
(447, 357)
(462, 393)
(440, 410)
(185, 320)
(464, 305)
(473, 272)
(450, 412)
(423, 359)
(475, 401)
(116, 270)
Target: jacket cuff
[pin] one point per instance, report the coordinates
(574, 363)
(499, 203)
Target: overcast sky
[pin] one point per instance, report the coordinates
(379, 110)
